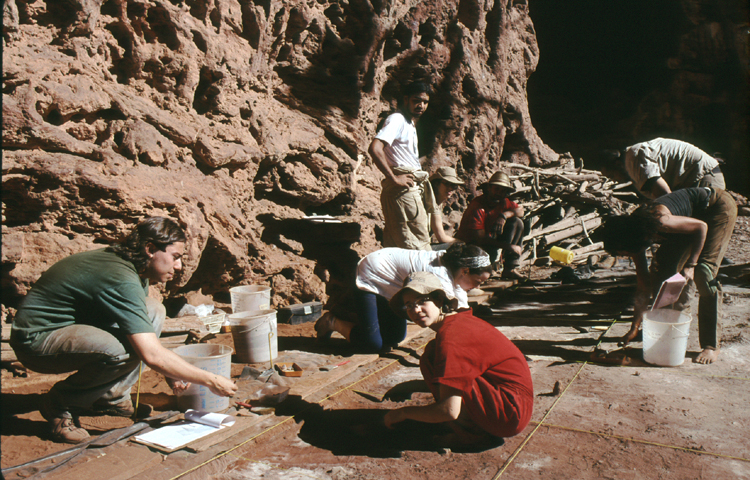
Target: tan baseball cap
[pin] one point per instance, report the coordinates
(423, 283)
(447, 174)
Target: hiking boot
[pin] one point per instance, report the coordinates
(62, 425)
(324, 327)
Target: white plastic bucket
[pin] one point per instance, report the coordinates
(212, 358)
(247, 298)
(250, 332)
(665, 336)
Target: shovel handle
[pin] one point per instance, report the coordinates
(270, 351)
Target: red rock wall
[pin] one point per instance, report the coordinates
(238, 117)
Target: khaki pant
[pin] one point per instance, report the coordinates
(104, 361)
(671, 256)
(407, 224)
(714, 180)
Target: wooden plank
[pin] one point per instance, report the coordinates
(241, 424)
(6, 353)
(571, 231)
(560, 225)
(588, 248)
(183, 324)
(308, 385)
(6, 332)
(112, 463)
(584, 257)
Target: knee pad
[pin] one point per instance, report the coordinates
(703, 279)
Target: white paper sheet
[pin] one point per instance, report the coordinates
(197, 424)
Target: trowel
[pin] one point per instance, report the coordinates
(267, 373)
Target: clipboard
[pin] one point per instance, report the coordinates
(669, 291)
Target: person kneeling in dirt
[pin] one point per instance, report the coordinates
(693, 227)
(89, 313)
(380, 274)
(495, 222)
(480, 380)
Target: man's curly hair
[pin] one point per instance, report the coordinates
(159, 231)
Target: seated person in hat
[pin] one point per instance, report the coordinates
(89, 314)
(662, 165)
(368, 322)
(693, 227)
(494, 222)
(480, 380)
(444, 183)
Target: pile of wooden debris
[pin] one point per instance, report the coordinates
(563, 207)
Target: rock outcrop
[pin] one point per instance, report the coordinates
(238, 118)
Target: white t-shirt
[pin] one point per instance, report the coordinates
(680, 164)
(400, 137)
(383, 272)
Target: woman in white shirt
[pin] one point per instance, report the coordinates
(381, 274)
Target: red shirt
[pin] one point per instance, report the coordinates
(472, 356)
(481, 216)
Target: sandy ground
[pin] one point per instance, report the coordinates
(603, 421)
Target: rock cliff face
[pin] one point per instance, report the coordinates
(238, 118)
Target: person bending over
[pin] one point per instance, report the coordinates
(662, 165)
(89, 314)
(480, 380)
(692, 227)
(374, 324)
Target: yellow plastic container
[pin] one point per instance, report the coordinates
(561, 255)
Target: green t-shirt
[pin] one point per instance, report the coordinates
(95, 288)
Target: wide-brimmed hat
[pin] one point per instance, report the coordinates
(423, 283)
(499, 178)
(447, 174)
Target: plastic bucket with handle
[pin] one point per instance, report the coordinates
(211, 358)
(247, 298)
(254, 335)
(665, 336)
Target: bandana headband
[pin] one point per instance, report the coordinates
(475, 262)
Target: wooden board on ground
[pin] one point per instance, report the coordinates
(241, 424)
(7, 354)
(6, 332)
(497, 284)
(201, 444)
(114, 464)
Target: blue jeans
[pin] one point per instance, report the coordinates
(378, 326)
(105, 364)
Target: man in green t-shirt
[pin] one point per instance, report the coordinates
(89, 314)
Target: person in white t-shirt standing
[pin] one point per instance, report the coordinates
(395, 152)
(662, 165)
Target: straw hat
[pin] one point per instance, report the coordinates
(423, 283)
(499, 178)
(447, 174)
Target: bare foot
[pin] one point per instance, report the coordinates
(708, 355)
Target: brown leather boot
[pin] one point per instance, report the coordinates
(62, 426)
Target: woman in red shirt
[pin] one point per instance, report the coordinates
(480, 380)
